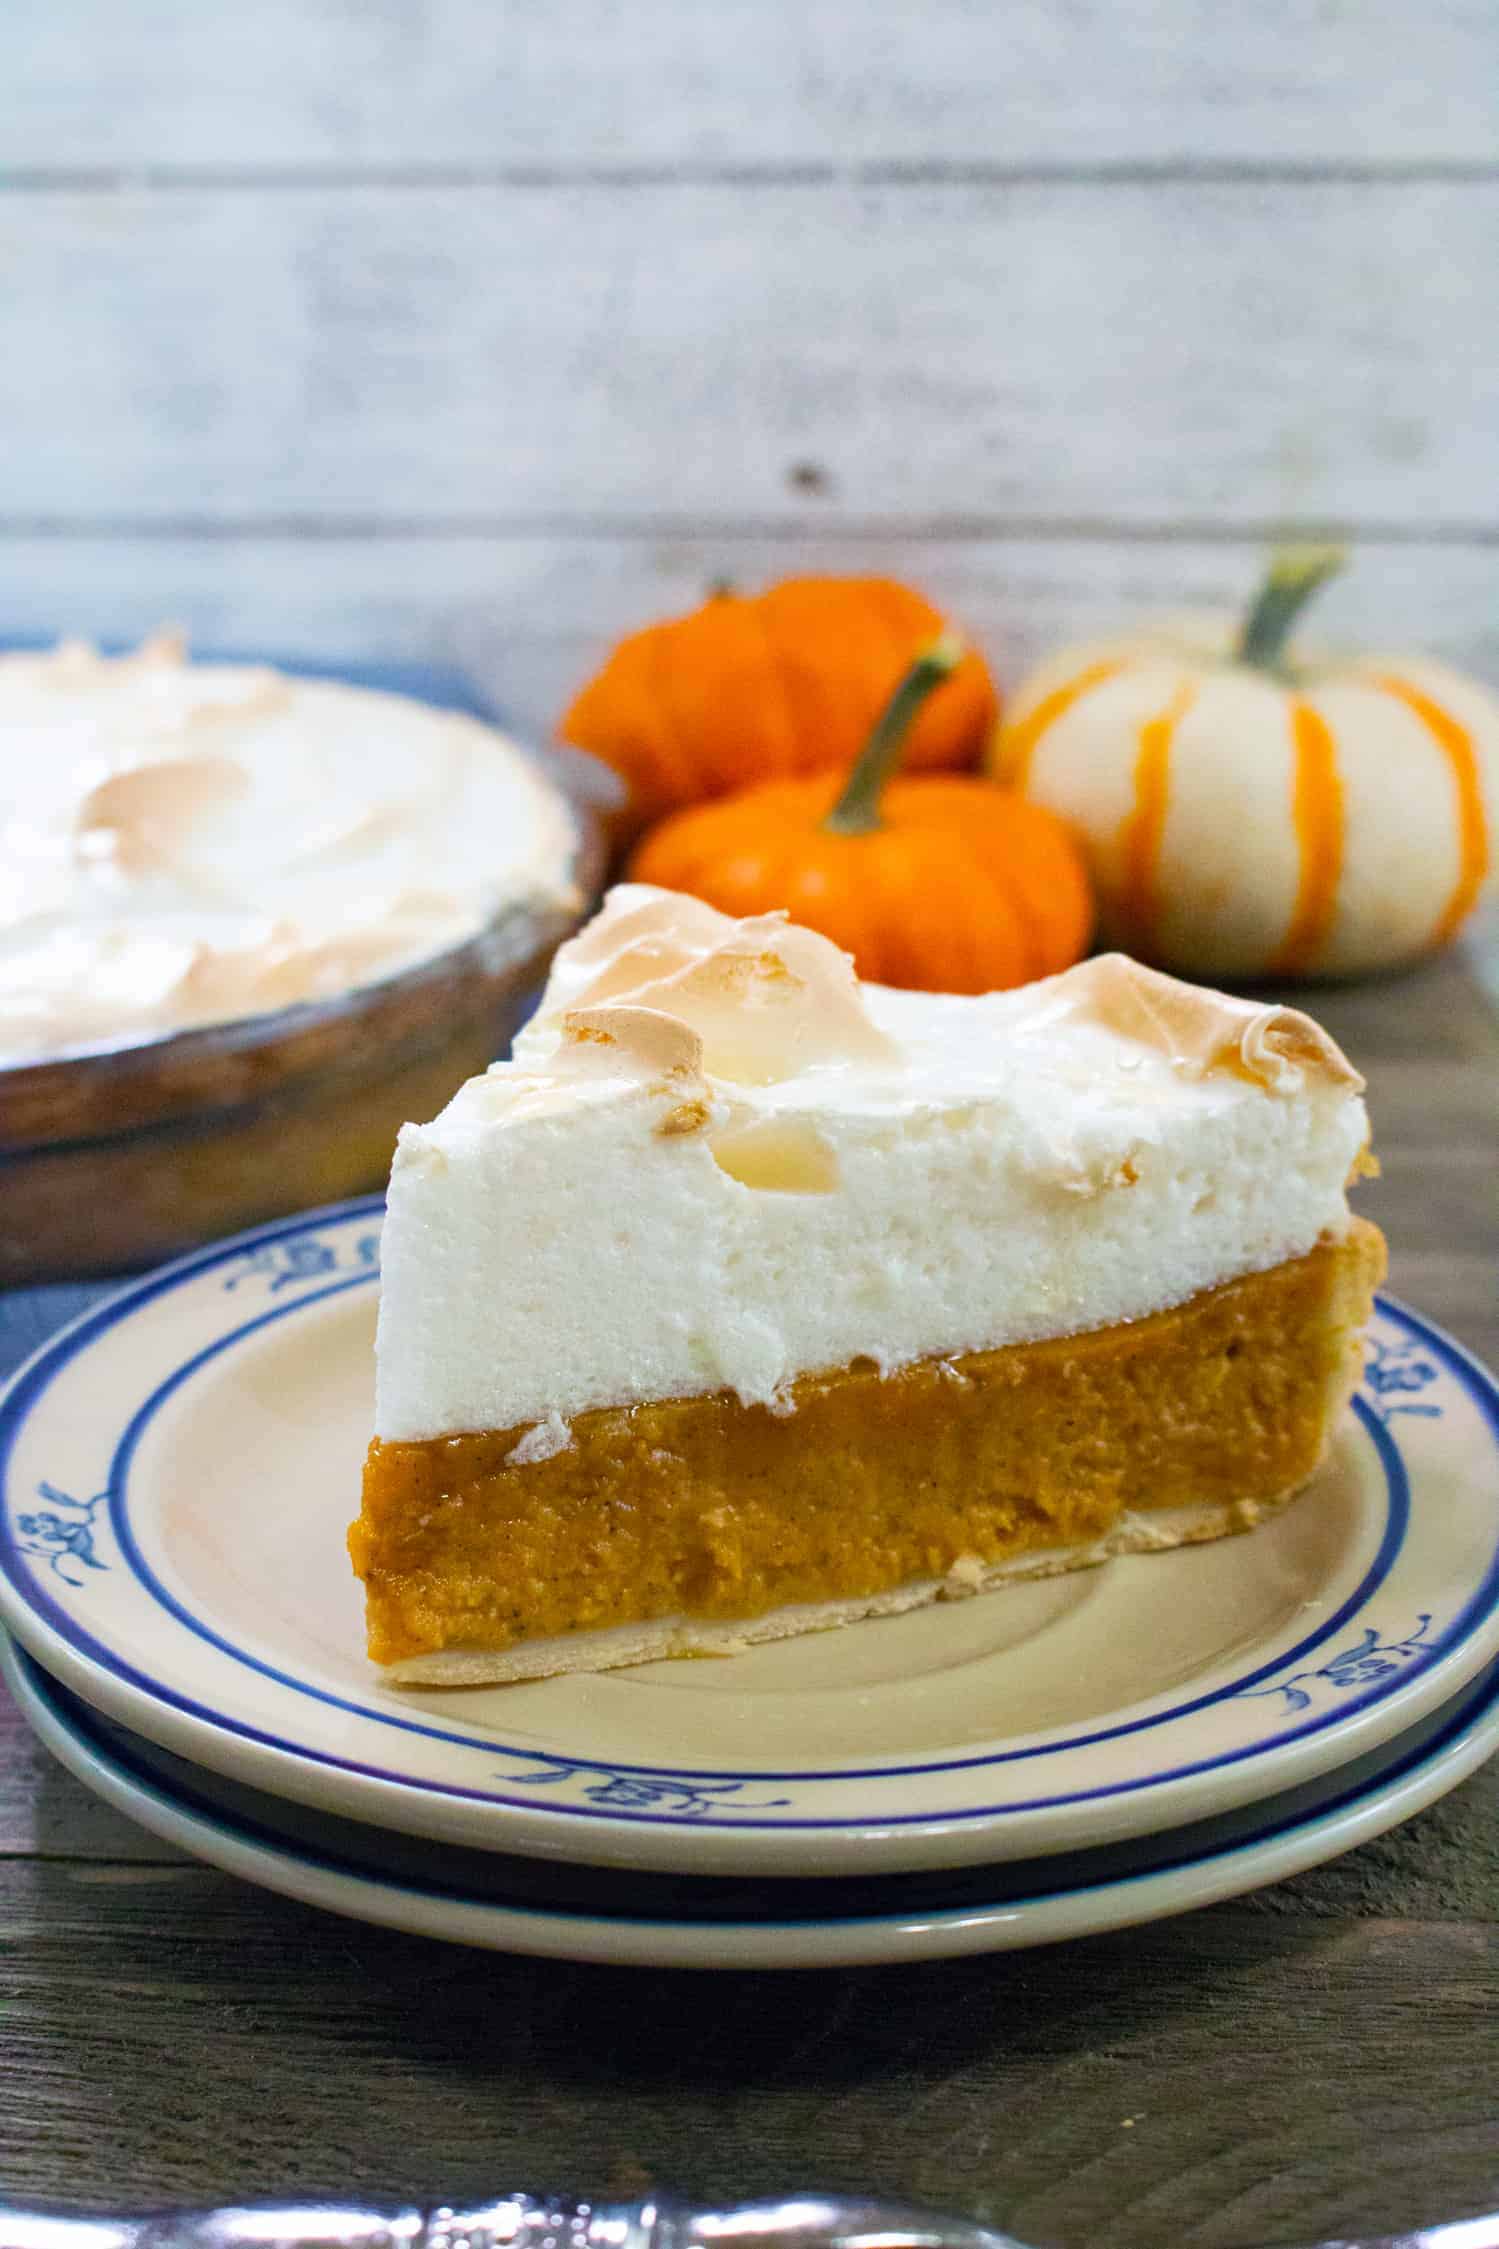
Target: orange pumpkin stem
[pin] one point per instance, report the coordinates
(857, 811)
(1290, 582)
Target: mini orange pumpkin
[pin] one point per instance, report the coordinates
(938, 882)
(760, 688)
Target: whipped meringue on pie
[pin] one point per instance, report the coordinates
(747, 1299)
(189, 843)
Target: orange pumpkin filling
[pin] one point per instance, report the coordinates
(705, 1508)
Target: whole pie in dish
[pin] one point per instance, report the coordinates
(747, 1300)
(249, 923)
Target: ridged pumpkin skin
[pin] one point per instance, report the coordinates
(762, 687)
(962, 888)
(1310, 820)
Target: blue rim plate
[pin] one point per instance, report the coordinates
(518, 1905)
(177, 1469)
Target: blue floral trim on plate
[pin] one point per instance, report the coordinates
(1394, 1376)
(625, 1791)
(308, 1257)
(1370, 1659)
(64, 1542)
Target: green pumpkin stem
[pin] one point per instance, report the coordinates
(1290, 582)
(858, 809)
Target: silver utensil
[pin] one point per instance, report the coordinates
(520, 2221)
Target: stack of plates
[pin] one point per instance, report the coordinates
(176, 1473)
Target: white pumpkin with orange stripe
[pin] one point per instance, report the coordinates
(1246, 814)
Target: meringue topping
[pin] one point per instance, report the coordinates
(718, 1160)
(191, 843)
(766, 999)
(1197, 1030)
(769, 1000)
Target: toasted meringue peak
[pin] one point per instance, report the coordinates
(643, 1039)
(1198, 1031)
(639, 933)
(141, 818)
(766, 999)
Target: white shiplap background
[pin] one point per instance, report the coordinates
(484, 329)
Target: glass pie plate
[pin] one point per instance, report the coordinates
(116, 1156)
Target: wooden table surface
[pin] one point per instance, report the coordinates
(1318, 2058)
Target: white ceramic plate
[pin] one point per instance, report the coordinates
(514, 1905)
(178, 1467)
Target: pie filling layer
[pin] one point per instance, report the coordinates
(856, 1490)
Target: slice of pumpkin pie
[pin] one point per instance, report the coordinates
(748, 1300)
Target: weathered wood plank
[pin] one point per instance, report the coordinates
(45, 1813)
(1050, 352)
(445, 82)
(1428, 1042)
(530, 615)
(1457, 1291)
(1157, 2084)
